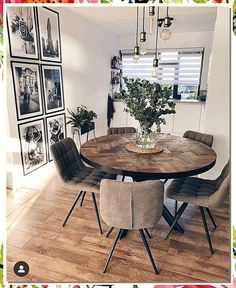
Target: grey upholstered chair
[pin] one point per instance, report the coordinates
(75, 175)
(202, 193)
(206, 139)
(120, 130)
(131, 206)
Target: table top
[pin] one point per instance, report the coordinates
(181, 157)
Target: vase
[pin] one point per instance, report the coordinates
(145, 139)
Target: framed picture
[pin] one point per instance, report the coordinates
(33, 145)
(53, 88)
(27, 89)
(49, 34)
(56, 130)
(22, 32)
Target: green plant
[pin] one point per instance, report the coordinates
(82, 117)
(147, 102)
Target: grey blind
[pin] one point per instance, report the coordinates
(180, 67)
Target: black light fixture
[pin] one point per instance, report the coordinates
(167, 21)
(136, 48)
(155, 60)
(143, 37)
(151, 19)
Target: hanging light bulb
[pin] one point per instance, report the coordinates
(165, 34)
(151, 19)
(136, 48)
(155, 60)
(143, 37)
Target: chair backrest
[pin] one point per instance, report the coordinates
(131, 205)
(222, 183)
(66, 158)
(200, 137)
(120, 130)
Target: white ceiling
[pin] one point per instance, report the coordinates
(121, 20)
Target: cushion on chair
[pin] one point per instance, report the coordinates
(120, 130)
(200, 137)
(131, 205)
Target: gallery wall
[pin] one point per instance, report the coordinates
(86, 80)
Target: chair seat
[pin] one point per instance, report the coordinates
(88, 179)
(192, 190)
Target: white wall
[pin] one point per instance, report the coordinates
(86, 55)
(179, 40)
(218, 99)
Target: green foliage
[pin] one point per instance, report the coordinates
(147, 102)
(82, 117)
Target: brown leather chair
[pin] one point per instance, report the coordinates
(120, 130)
(131, 206)
(206, 139)
(75, 175)
(202, 193)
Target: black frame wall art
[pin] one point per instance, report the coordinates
(27, 89)
(22, 32)
(56, 130)
(53, 88)
(33, 145)
(49, 34)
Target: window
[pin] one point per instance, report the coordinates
(180, 68)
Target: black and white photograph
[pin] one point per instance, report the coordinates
(56, 130)
(27, 88)
(49, 34)
(33, 146)
(53, 88)
(22, 32)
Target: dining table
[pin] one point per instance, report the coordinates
(179, 157)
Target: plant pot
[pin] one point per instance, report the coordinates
(87, 128)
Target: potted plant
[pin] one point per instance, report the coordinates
(148, 103)
(82, 118)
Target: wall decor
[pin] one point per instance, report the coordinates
(49, 34)
(56, 130)
(27, 89)
(53, 88)
(33, 146)
(22, 32)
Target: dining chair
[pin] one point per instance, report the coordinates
(131, 206)
(206, 139)
(120, 130)
(75, 175)
(204, 193)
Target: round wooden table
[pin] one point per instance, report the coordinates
(181, 157)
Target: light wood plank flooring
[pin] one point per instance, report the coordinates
(77, 252)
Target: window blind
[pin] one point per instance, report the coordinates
(179, 67)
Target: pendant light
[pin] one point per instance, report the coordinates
(155, 60)
(136, 48)
(151, 19)
(166, 33)
(143, 37)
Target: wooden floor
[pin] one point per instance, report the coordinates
(77, 252)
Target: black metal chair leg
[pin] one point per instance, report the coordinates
(165, 181)
(109, 232)
(211, 217)
(112, 250)
(147, 232)
(178, 214)
(97, 213)
(72, 207)
(176, 207)
(206, 229)
(148, 250)
(123, 178)
(82, 200)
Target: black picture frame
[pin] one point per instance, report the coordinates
(24, 36)
(58, 134)
(53, 89)
(27, 89)
(52, 53)
(33, 145)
